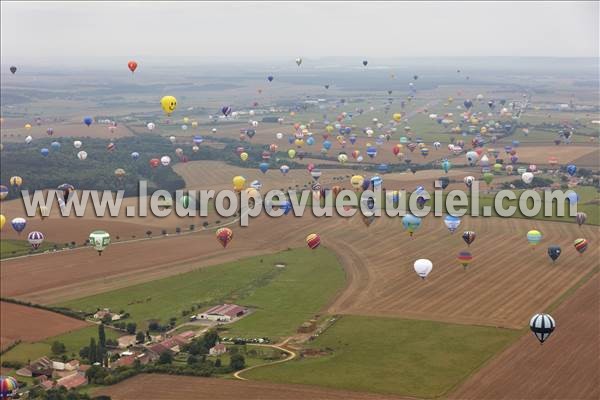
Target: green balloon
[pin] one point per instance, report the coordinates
(488, 177)
(185, 201)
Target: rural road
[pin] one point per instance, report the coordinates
(291, 356)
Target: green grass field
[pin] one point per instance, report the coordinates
(73, 341)
(283, 298)
(14, 248)
(392, 356)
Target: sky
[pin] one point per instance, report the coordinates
(80, 33)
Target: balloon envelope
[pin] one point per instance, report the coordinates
(423, 267)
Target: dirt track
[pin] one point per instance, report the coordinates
(567, 366)
(166, 387)
(507, 281)
(32, 324)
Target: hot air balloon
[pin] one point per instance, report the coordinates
(8, 384)
(298, 61)
(527, 177)
(151, 126)
(165, 161)
(554, 252)
(284, 169)
(452, 223)
(313, 241)
(580, 218)
(120, 173)
(469, 237)
(316, 174)
(168, 104)
(18, 224)
(99, 240)
(446, 165)
(239, 182)
(411, 223)
(13, 69)
(82, 155)
(534, 237)
(66, 190)
(44, 152)
(35, 239)
(581, 245)
(270, 78)
(154, 162)
(226, 110)
(16, 181)
(488, 177)
(357, 181)
(224, 236)
(571, 169)
(263, 167)
(365, 62)
(243, 156)
(50, 131)
(77, 144)
(464, 258)
(472, 157)
(3, 192)
(423, 267)
(542, 326)
(132, 65)
(2, 221)
(88, 121)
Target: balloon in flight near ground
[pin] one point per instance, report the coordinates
(2, 221)
(534, 237)
(554, 252)
(580, 218)
(411, 223)
(88, 121)
(423, 267)
(18, 224)
(527, 177)
(469, 237)
(571, 169)
(8, 386)
(452, 223)
(581, 245)
(3, 192)
(35, 239)
(99, 240)
(542, 326)
(464, 258)
(168, 104)
(313, 241)
(224, 236)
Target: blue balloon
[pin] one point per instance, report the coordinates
(376, 181)
(291, 139)
(55, 145)
(573, 198)
(371, 151)
(571, 169)
(135, 156)
(88, 121)
(45, 152)
(270, 78)
(310, 141)
(347, 129)
(198, 139)
(287, 207)
(383, 168)
(353, 139)
(264, 167)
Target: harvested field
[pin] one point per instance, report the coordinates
(30, 324)
(507, 281)
(567, 366)
(168, 387)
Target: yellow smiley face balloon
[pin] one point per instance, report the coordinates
(168, 104)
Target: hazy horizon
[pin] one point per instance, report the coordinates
(101, 34)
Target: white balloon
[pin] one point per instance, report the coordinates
(82, 155)
(77, 144)
(28, 139)
(151, 126)
(165, 160)
(423, 267)
(527, 177)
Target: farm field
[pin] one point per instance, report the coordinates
(29, 324)
(73, 341)
(281, 298)
(167, 387)
(566, 366)
(387, 356)
(380, 279)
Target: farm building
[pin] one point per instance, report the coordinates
(101, 314)
(217, 350)
(223, 313)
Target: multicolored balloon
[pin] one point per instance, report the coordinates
(464, 258)
(469, 237)
(534, 237)
(313, 241)
(581, 245)
(35, 239)
(224, 236)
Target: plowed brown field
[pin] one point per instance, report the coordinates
(507, 281)
(567, 366)
(32, 324)
(168, 387)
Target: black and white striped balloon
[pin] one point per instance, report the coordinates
(542, 326)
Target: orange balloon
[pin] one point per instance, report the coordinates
(132, 66)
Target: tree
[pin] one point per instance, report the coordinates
(192, 359)
(131, 327)
(218, 363)
(140, 337)
(101, 336)
(165, 358)
(92, 351)
(237, 362)
(210, 339)
(58, 347)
